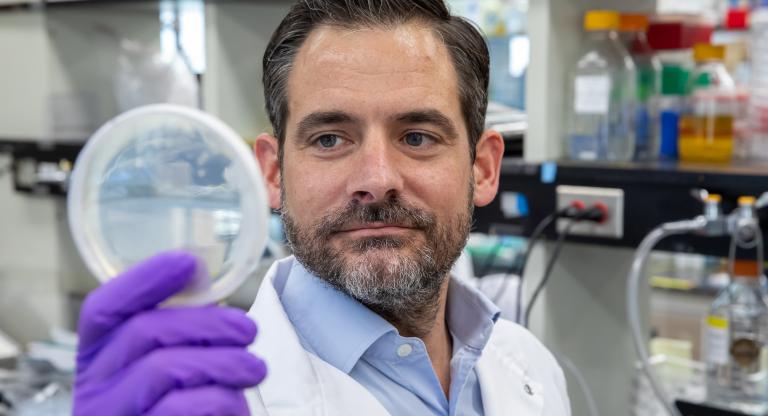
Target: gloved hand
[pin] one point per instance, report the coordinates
(136, 359)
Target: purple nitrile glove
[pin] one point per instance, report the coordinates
(136, 359)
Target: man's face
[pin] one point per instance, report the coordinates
(376, 185)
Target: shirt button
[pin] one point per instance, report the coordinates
(404, 350)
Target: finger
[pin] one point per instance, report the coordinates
(149, 379)
(202, 401)
(140, 288)
(164, 328)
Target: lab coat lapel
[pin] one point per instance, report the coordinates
(298, 383)
(291, 379)
(505, 386)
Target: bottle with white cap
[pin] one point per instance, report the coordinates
(735, 332)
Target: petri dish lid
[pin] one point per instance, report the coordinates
(164, 177)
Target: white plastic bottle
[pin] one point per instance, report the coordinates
(600, 114)
(758, 101)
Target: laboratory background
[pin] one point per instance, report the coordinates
(627, 234)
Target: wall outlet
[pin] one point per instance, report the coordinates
(612, 198)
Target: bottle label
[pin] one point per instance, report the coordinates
(592, 94)
(716, 340)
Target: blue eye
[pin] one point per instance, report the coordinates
(415, 139)
(329, 141)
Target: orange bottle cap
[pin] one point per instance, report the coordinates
(708, 52)
(747, 200)
(745, 268)
(633, 22)
(714, 198)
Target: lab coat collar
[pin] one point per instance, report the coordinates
(277, 338)
(299, 383)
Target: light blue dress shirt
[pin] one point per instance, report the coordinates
(396, 370)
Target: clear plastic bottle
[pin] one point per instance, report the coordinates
(707, 124)
(633, 28)
(734, 36)
(600, 117)
(734, 340)
(758, 102)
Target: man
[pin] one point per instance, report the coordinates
(377, 159)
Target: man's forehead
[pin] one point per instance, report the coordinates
(338, 66)
(412, 40)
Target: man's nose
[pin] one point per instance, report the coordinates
(375, 174)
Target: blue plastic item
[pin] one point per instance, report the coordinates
(669, 120)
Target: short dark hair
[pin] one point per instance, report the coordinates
(463, 40)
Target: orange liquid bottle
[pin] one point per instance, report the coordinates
(706, 126)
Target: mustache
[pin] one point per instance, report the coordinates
(391, 212)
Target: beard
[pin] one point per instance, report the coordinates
(400, 278)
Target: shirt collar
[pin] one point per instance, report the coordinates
(333, 326)
(470, 315)
(339, 329)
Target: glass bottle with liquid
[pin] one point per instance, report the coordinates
(632, 29)
(735, 336)
(600, 117)
(707, 125)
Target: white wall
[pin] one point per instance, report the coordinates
(61, 60)
(84, 61)
(23, 75)
(236, 37)
(30, 297)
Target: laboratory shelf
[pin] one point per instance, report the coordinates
(41, 167)
(653, 193)
(21, 4)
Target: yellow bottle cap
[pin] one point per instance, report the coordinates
(747, 200)
(708, 52)
(714, 198)
(601, 20)
(633, 22)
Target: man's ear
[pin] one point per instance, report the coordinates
(266, 149)
(487, 167)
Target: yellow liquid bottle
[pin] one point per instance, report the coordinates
(706, 127)
(707, 138)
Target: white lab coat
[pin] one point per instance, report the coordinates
(517, 375)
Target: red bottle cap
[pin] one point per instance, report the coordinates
(736, 19)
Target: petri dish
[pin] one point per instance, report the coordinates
(165, 177)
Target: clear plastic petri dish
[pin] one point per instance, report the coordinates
(164, 177)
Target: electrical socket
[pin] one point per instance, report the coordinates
(612, 198)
